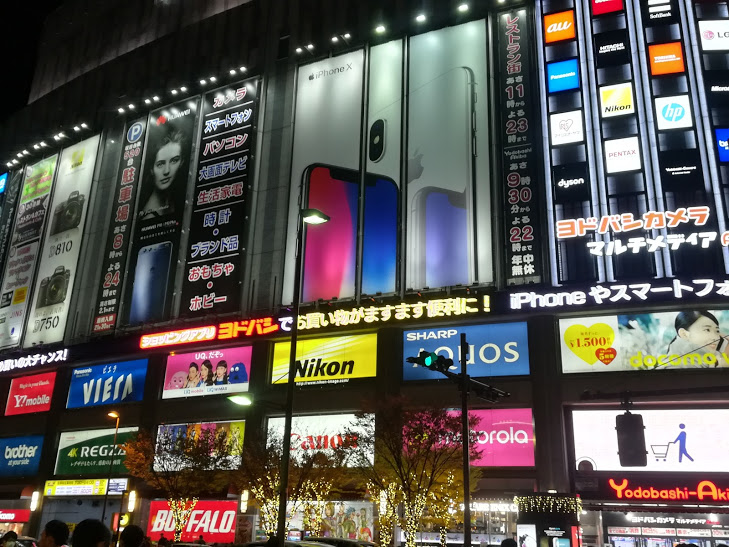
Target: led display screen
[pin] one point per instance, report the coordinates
(207, 372)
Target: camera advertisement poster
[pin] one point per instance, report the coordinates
(116, 252)
(219, 225)
(690, 339)
(61, 247)
(207, 373)
(23, 251)
(163, 188)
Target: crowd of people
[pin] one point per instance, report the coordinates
(87, 533)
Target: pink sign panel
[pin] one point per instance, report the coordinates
(207, 372)
(504, 437)
(214, 520)
(30, 394)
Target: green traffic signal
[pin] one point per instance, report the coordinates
(430, 360)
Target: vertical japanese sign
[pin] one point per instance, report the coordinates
(108, 297)
(218, 229)
(62, 244)
(24, 246)
(518, 149)
(9, 200)
(152, 261)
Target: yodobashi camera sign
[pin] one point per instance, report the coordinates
(498, 349)
(63, 234)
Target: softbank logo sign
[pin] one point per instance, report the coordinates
(673, 112)
(714, 35)
(616, 100)
(622, 155)
(559, 26)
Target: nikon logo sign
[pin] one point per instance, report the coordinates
(327, 360)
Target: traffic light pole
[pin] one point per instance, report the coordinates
(466, 437)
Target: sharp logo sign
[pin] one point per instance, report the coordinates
(714, 35)
(673, 112)
(559, 26)
(622, 155)
(616, 100)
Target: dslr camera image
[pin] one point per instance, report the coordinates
(67, 215)
(53, 288)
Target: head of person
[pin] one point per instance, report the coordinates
(194, 372)
(54, 534)
(698, 327)
(167, 161)
(131, 536)
(509, 542)
(91, 533)
(221, 369)
(206, 370)
(9, 539)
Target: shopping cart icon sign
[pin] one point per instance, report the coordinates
(660, 451)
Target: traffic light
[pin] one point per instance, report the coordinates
(433, 361)
(631, 440)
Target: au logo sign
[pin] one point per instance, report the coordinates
(559, 26)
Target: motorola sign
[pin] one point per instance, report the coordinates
(563, 75)
(571, 182)
(612, 48)
(714, 35)
(616, 100)
(673, 112)
(622, 155)
(566, 127)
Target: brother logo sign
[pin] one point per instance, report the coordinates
(20, 455)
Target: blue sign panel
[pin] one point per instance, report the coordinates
(722, 142)
(563, 76)
(494, 350)
(3, 181)
(108, 384)
(20, 455)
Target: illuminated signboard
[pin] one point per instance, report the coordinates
(616, 100)
(722, 143)
(207, 372)
(673, 112)
(601, 7)
(563, 75)
(325, 433)
(3, 182)
(644, 342)
(169, 433)
(91, 451)
(85, 487)
(213, 520)
(566, 127)
(20, 456)
(14, 515)
(666, 58)
(30, 394)
(34, 360)
(622, 155)
(659, 12)
(678, 440)
(107, 384)
(662, 490)
(496, 349)
(559, 26)
(344, 317)
(714, 35)
(504, 437)
(680, 168)
(571, 182)
(612, 48)
(327, 360)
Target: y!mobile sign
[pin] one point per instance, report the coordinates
(213, 520)
(30, 394)
(680, 440)
(493, 350)
(504, 437)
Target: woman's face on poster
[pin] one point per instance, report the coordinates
(166, 164)
(704, 332)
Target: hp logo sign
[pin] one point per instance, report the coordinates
(673, 112)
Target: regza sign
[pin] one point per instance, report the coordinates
(498, 349)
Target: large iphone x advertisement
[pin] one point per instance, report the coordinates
(428, 206)
(24, 247)
(160, 208)
(62, 244)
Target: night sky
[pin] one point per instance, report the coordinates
(21, 24)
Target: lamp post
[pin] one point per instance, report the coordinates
(112, 414)
(306, 216)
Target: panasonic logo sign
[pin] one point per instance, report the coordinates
(570, 74)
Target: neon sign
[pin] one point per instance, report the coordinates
(33, 360)
(705, 490)
(175, 337)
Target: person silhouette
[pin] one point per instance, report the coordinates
(681, 441)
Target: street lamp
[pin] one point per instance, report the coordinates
(115, 415)
(306, 216)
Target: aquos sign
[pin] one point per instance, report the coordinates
(498, 349)
(213, 520)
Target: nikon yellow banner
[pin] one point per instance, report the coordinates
(327, 360)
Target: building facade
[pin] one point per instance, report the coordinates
(548, 178)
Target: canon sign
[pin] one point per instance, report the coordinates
(214, 520)
(14, 515)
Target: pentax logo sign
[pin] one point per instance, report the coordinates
(559, 26)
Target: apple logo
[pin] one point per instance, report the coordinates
(311, 76)
(415, 166)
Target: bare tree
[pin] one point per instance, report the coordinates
(415, 448)
(184, 463)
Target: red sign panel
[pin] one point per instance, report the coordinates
(600, 7)
(30, 394)
(14, 515)
(213, 520)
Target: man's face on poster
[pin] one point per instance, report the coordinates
(166, 164)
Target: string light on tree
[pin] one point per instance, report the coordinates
(549, 503)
